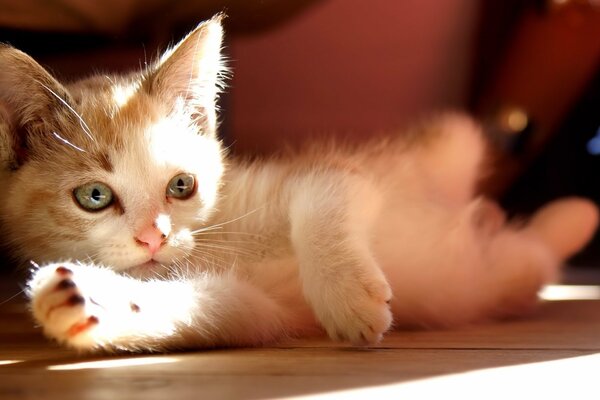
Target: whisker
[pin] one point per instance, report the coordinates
(243, 249)
(84, 126)
(239, 242)
(229, 233)
(12, 297)
(157, 274)
(91, 257)
(65, 141)
(227, 249)
(209, 258)
(199, 256)
(216, 226)
(184, 266)
(188, 264)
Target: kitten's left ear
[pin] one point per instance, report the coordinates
(191, 73)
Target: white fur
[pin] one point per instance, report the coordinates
(202, 312)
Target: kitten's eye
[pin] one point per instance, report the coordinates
(93, 196)
(182, 186)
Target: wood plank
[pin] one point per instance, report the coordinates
(254, 373)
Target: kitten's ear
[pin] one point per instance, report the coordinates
(191, 74)
(29, 99)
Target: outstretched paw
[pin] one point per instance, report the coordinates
(72, 302)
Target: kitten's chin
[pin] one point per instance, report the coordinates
(149, 269)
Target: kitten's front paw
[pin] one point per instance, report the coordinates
(69, 303)
(355, 309)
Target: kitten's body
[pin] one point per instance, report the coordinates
(333, 237)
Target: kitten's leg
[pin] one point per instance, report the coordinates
(502, 271)
(527, 258)
(89, 307)
(331, 214)
(565, 225)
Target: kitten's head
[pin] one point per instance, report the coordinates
(116, 169)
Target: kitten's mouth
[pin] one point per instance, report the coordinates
(147, 269)
(149, 264)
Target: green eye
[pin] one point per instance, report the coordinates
(93, 196)
(182, 186)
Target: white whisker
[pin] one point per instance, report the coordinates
(239, 242)
(12, 297)
(221, 224)
(209, 258)
(65, 141)
(227, 249)
(225, 244)
(84, 126)
(220, 232)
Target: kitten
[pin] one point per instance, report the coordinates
(173, 245)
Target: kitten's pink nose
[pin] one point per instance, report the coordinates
(151, 237)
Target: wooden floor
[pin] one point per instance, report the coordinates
(553, 354)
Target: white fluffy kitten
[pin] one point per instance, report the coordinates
(174, 246)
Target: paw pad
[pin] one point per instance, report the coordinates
(64, 271)
(65, 284)
(83, 326)
(75, 300)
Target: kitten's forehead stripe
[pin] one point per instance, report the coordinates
(104, 162)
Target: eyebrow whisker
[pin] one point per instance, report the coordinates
(65, 141)
(84, 126)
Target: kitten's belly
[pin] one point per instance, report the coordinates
(280, 279)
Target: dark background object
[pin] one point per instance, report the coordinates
(565, 167)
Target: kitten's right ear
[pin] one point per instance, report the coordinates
(28, 100)
(191, 74)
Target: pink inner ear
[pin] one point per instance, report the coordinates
(193, 71)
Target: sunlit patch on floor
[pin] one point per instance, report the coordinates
(556, 379)
(571, 292)
(9, 362)
(116, 363)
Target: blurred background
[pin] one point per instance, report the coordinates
(529, 70)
